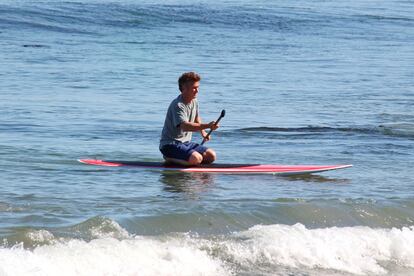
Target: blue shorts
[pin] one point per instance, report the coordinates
(182, 151)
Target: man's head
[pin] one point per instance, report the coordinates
(188, 84)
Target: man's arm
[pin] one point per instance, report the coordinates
(198, 126)
(202, 132)
(187, 126)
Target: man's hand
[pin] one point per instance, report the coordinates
(205, 136)
(212, 125)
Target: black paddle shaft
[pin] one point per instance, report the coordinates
(223, 112)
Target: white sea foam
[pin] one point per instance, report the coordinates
(358, 250)
(40, 236)
(273, 248)
(109, 256)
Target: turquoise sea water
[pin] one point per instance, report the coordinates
(304, 82)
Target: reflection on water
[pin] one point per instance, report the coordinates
(191, 184)
(316, 178)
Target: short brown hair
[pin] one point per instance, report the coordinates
(188, 77)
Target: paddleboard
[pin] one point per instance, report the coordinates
(219, 168)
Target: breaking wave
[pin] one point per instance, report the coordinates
(260, 250)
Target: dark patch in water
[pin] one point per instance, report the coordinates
(35, 46)
(398, 130)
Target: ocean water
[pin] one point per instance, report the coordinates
(302, 82)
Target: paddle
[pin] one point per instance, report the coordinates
(223, 112)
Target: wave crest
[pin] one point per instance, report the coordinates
(357, 250)
(261, 249)
(88, 18)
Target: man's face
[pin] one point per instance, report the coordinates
(190, 89)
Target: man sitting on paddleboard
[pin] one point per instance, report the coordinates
(181, 121)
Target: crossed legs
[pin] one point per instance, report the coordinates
(196, 158)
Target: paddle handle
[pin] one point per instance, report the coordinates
(223, 112)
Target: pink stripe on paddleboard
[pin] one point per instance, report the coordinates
(99, 163)
(282, 169)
